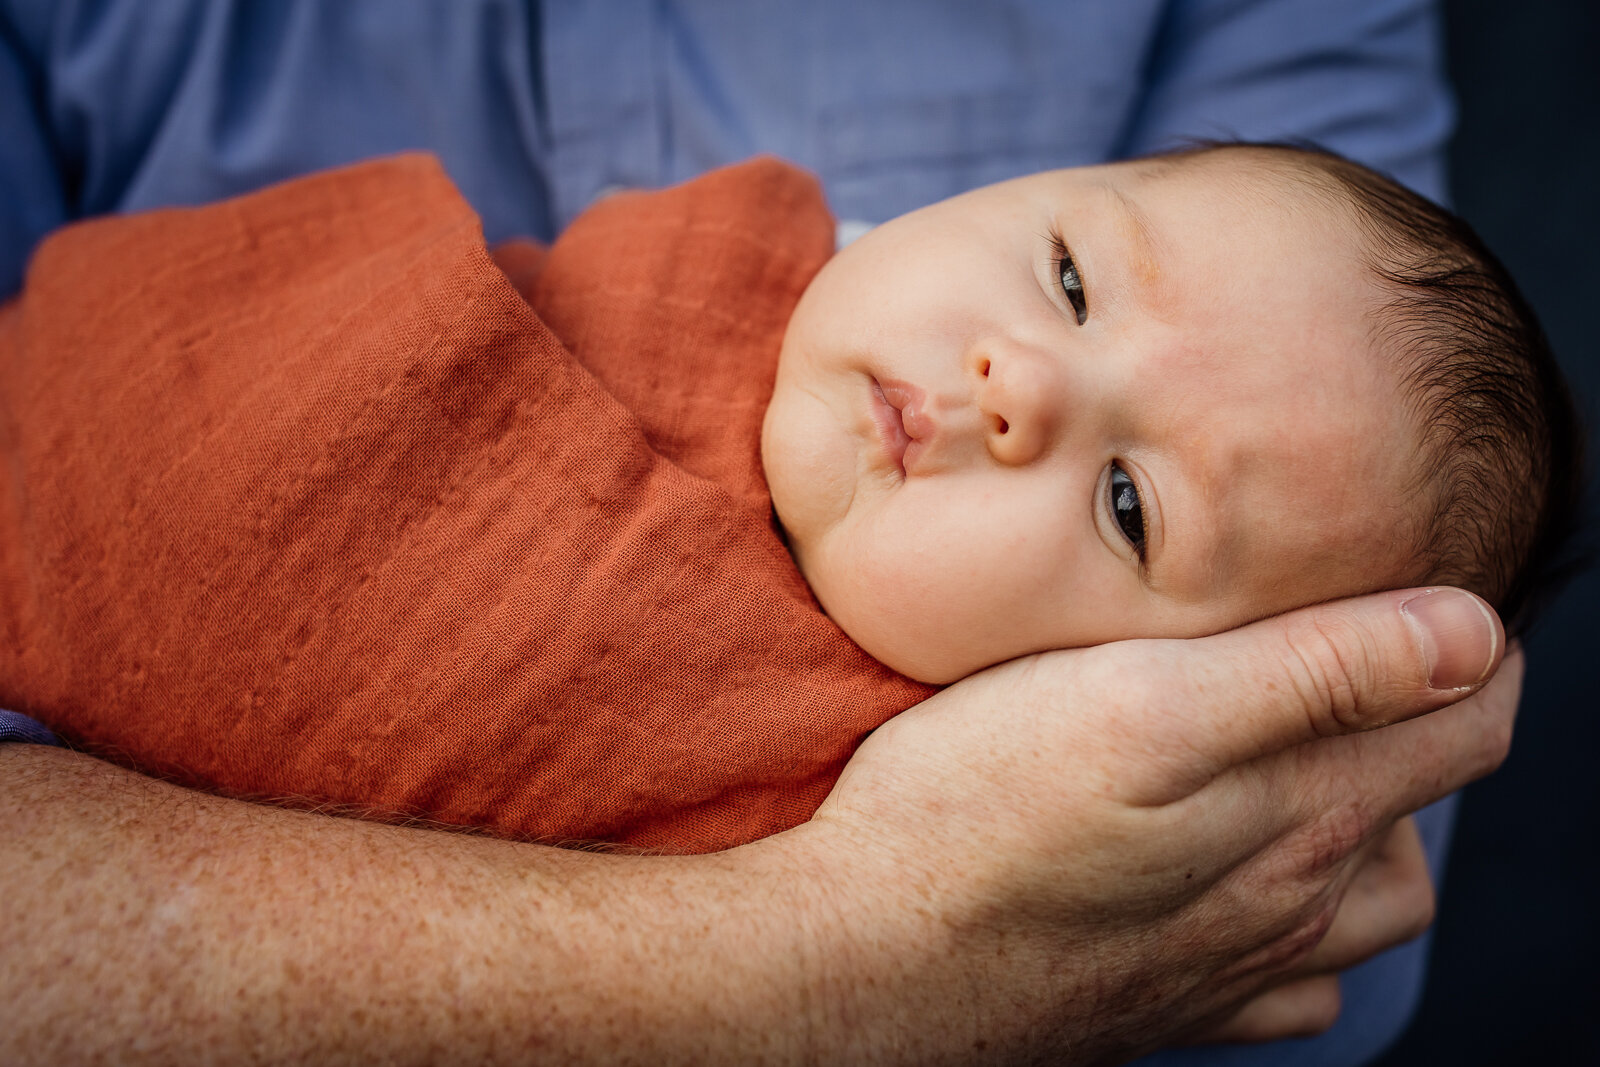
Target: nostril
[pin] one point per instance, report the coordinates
(983, 368)
(1001, 425)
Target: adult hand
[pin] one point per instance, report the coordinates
(1390, 900)
(1073, 857)
(1142, 836)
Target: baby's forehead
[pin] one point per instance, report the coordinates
(1253, 189)
(1251, 168)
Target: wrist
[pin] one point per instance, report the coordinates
(892, 961)
(731, 957)
(813, 946)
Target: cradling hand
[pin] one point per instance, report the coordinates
(1104, 850)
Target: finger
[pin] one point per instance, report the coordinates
(1292, 825)
(1319, 803)
(1325, 671)
(1302, 1008)
(1389, 772)
(1390, 901)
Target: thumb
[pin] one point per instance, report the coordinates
(1334, 669)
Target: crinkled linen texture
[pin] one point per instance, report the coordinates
(302, 498)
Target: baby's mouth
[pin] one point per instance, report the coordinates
(900, 427)
(891, 428)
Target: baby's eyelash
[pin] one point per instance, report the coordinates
(1067, 276)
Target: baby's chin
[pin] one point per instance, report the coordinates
(906, 646)
(918, 664)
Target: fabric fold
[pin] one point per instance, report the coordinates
(303, 498)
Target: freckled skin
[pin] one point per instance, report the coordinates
(1224, 365)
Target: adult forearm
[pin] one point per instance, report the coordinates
(207, 930)
(152, 924)
(1068, 858)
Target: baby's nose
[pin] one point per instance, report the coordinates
(1019, 398)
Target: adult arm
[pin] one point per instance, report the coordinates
(1074, 856)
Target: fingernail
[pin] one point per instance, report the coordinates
(1457, 635)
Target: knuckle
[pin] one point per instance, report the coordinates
(1417, 906)
(1326, 665)
(1324, 844)
(1307, 935)
(1300, 937)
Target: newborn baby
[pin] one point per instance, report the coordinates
(1159, 398)
(399, 540)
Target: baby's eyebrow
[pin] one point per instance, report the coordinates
(1134, 224)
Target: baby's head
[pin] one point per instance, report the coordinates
(1161, 398)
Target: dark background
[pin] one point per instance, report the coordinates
(1515, 976)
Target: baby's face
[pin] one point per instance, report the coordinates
(981, 446)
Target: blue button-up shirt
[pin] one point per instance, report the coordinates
(119, 105)
(538, 108)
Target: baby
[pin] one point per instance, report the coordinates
(1161, 398)
(452, 559)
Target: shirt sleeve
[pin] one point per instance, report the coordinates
(32, 198)
(17, 727)
(1364, 78)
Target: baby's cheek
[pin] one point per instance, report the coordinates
(953, 600)
(809, 467)
(894, 598)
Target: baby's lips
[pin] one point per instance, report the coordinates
(912, 404)
(888, 419)
(900, 394)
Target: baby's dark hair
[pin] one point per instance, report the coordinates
(1502, 444)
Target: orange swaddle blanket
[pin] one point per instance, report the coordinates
(302, 499)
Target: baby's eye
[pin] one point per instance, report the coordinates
(1126, 508)
(1071, 284)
